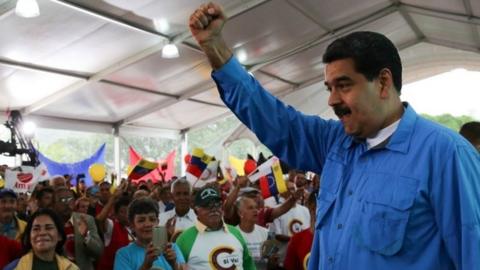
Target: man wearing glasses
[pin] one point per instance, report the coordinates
(83, 244)
(212, 244)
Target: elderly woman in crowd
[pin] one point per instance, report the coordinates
(43, 243)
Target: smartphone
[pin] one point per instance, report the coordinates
(160, 237)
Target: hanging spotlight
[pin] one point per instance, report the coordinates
(27, 8)
(170, 51)
(29, 128)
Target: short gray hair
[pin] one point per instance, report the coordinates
(181, 181)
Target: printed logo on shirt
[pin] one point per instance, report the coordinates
(224, 258)
(305, 261)
(295, 226)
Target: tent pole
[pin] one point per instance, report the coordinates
(183, 151)
(116, 153)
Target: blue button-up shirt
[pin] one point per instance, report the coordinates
(413, 203)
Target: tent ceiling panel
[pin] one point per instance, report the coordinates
(166, 75)
(475, 7)
(300, 67)
(181, 116)
(165, 17)
(21, 87)
(102, 102)
(334, 14)
(394, 27)
(67, 39)
(424, 60)
(210, 96)
(455, 6)
(268, 28)
(5, 71)
(272, 85)
(443, 29)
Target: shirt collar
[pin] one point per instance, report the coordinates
(382, 135)
(401, 137)
(203, 228)
(190, 214)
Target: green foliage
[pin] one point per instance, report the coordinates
(449, 120)
(212, 134)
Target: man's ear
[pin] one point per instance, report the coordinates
(385, 80)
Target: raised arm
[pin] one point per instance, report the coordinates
(206, 25)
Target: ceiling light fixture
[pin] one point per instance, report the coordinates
(27, 8)
(170, 51)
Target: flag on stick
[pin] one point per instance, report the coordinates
(142, 168)
(270, 177)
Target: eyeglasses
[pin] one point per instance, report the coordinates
(65, 200)
(213, 205)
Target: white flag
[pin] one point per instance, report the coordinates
(25, 178)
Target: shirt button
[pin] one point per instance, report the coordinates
(350, 193)
(330, 259)
(339, 226)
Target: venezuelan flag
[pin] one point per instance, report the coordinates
(273, 183)
(198, 162)
(142, 168)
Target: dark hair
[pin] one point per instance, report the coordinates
(142, 206)
(471, 131)
(371, 52)
(62, 189)
(122, 201)
(105, 183)
(43, 191)
(26, 241)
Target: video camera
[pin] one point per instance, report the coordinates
(18, 143)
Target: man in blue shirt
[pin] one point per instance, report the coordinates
(397, 191)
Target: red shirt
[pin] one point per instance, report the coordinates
(69, 245)
(119, 239)
(264, 216)
(9, 250)
(298, 250)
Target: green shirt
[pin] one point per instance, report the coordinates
(39, 264)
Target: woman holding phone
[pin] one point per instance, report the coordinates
(144, 253)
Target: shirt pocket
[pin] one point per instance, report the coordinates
(385, 207)
(333, 175)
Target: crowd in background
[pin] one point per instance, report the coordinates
(65, 224)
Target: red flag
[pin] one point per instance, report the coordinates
(166, 166)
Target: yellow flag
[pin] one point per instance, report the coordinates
(237, 164)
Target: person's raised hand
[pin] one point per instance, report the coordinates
(206, 23)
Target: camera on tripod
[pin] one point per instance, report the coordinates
(19, 144)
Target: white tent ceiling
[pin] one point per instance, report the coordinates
(96, 65)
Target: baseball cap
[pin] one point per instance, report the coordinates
(7, 192)
(204, 196)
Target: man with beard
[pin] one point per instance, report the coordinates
(182, 216)
(212, 244)
(10, 226)
(398, 191)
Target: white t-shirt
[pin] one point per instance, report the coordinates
(181, 223)
(216, 248)
(294, 221)
(255, 241)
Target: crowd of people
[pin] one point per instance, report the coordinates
(218, 226)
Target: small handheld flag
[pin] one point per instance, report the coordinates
(142, 168)
(270, 177)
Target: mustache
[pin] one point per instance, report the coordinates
(341, 111)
